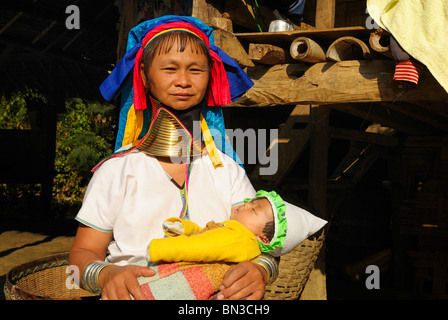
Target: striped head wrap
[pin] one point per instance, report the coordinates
(227, 83)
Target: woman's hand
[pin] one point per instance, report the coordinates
(117, 282)
(246, 280)
(120, 282)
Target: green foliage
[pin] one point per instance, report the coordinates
(13, 110)
(84, 135)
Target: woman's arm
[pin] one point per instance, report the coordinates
(118, 282)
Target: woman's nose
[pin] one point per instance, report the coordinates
(183, 80)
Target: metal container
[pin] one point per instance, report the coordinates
(280, 25)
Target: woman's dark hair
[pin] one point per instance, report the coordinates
(165, 42)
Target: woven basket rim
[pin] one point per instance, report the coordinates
(26, 268)
(20, 271)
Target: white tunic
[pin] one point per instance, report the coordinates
(132, 195)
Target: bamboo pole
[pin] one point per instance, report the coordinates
(307, 50)
(379, 42)
(348, 48)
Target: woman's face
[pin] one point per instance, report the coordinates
(178, 79)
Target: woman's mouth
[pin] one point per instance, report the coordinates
(182, 96)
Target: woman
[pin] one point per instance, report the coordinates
(176, 78)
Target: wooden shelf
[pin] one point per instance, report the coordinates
(278, 38)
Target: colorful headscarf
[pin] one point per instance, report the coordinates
(227, 81)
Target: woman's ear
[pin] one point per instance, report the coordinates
(142, 72)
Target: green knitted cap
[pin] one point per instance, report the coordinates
(281, 225)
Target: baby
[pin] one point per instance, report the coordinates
(258, 225)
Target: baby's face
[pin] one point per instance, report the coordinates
(253, 215)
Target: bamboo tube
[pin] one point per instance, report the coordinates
(348, 48)
(307, 50)
(379, 42)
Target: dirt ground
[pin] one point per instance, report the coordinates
(26, 240)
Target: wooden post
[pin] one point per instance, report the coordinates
(205, 11)
(316, 288)
(319, 142)
(325, 13)
(56, 98)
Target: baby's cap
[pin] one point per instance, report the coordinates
(280, 222)
(293, 225)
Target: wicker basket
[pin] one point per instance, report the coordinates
(295, 268)
(43, 279)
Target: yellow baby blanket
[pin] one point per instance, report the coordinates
(420, 27)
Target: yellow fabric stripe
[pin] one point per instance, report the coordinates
(134, 125)
(170, 30)
(210, 144)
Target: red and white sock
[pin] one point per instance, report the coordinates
(408, 72)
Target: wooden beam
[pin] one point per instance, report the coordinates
(419, 113)
(357, 135)
(205, 11)
(333, 83)
(227, 42)
(268, 54)
(44, 32)
(54, 54)
(365, 148)
(286, 37)
(388, 118)
(11, 21)
(325, 13)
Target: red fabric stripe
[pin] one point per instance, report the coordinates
(199, 282)
(407, 71)
(147, 292)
